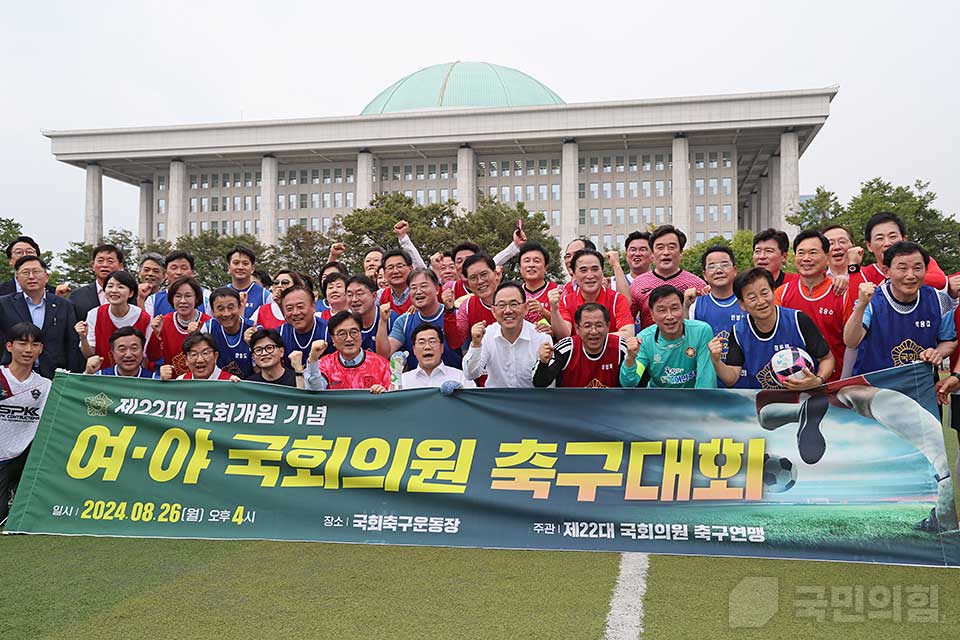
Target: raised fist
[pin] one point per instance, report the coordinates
(337, 250)
(546, 352)
(689, 295)
(243, 301)
(81, 329)
(448, 298)
(855, 255)
(553, 297)
(166, 372)
(613, 256)
(296, 360)
(534, 306)
(316, 350)
(633, 347)
(63, 290)
(248, 334)
(865, 294)
(477, 331)
(519, 237)
(156, 325)
(144, 289)
(193, 327)
(716, 349)
(436, 260)
(93, 364)
(385, 312)
(402, 228)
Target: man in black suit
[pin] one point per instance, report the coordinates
(19, 247)
(107, 258)
(55, 317)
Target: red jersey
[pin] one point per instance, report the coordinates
(540, 295)
(456, 326)
(268, 316)
(218, 374)
(827, 310)
(373, 369)
(168, 344)
(590, 372)
(646, 282)
(616, 303)
(105, 327)
(934, 278)
(386, 295)
(460, 289)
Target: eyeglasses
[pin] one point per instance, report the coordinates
(594, 328)
(513, 305)
(31, 273)
(427, 342)
(265, 350)
(200, 355)
(343, 334)
(23, 252)
(483, 276)
(718, 266)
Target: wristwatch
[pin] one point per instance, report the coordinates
(853, 268)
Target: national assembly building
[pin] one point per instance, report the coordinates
(711, 165)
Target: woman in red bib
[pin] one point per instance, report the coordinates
(120, 289)
(171, 329)
(269, 316)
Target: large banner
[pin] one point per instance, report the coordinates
(724, 472)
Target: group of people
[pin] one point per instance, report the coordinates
(402, 323)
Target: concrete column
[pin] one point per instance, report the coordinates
(569, 195)
(268, 200)
(177, 201)
(789, 180)
(776, 215)
(466, 179)
(146, 211)
(752, 220)
(93, 205)
(763, 218)
(364, 179)
(681, 185)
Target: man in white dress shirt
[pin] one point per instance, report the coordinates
(506, 351)
(428, 348)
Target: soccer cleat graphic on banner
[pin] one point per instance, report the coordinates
(810, 439)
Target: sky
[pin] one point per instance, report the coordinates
(74, 65)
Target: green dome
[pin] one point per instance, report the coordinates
(462, 84)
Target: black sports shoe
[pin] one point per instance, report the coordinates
(810, 440)
(931, 523)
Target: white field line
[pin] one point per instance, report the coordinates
(625, 618)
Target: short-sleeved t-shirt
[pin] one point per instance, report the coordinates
(616, 303)
(680, 363)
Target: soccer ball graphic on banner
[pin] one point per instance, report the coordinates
(787, 364)
(779, 474)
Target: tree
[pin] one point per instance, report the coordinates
(364, 229)
(491, 226)
(10, 229)
(925, 224)
(822, 210)
(437, 227)
(742, 246)
(75, 263)
(301, 250)
(210, 254)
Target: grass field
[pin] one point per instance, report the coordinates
(79, 588)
